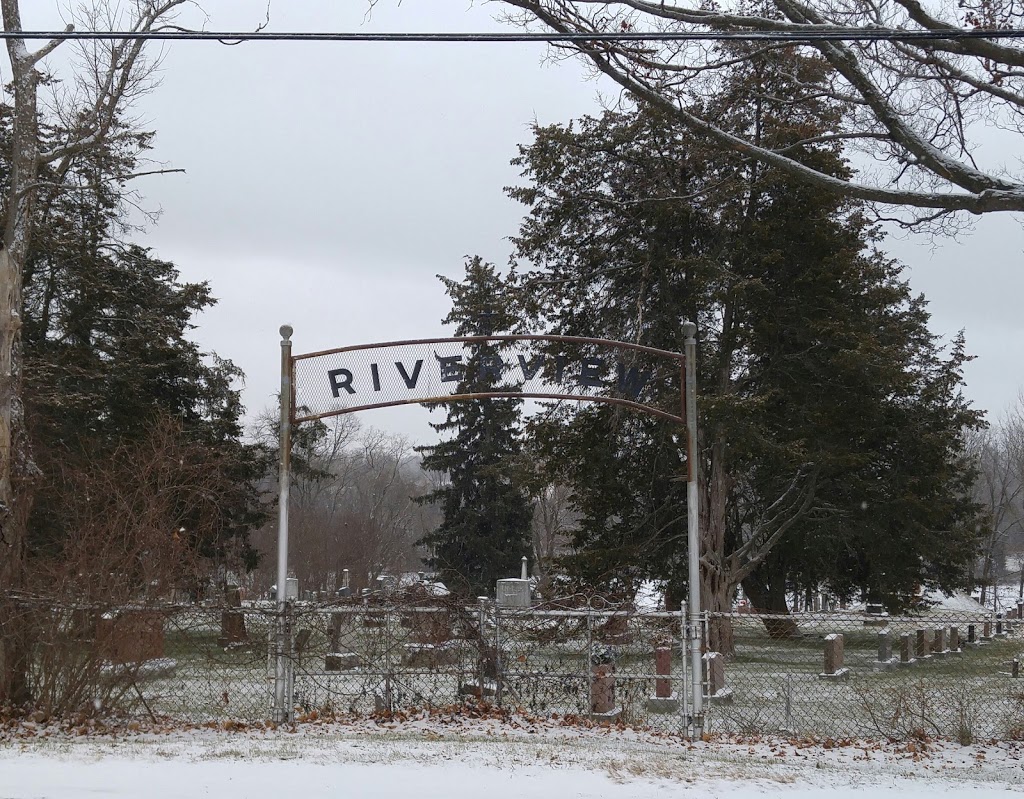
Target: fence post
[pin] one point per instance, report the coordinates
(684, 699)
(590, 652)
(285, 711)
(498, 660)
(789, 701)
(389, 702)
(482, 655)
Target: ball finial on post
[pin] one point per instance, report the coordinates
(689, 329)
(286, 332)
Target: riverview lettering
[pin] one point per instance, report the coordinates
(586, 373)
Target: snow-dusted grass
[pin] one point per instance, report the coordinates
(545, 670)
(455, 757)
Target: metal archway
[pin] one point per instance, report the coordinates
(344, 380)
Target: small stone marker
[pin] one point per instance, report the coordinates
(999, 626)
(986, 631)
(972, 635)
(834, 658)
(954, 640)
(1015, 668)
(939, 642)
(906, 650)
(340, 661)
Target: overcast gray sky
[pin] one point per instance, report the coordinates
(327, 184)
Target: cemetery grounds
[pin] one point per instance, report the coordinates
(597, 662)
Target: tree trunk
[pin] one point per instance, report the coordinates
(15, 458)
(716, 599)
(766, 590)
(716, 589)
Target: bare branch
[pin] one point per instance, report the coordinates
(910, 105)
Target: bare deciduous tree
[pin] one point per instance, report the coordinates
(554, 518)
(352, 507)
(998, 453)
(90, 110)
(911, 106)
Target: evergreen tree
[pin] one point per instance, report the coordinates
(485, 530)
(107, 357)
(831, 418)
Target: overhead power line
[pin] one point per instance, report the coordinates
(817, 33)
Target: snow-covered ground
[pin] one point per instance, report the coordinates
(456, 758)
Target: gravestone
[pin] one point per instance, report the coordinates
(340, 661)
(875, 615)
(431, 656)
(130, 636)
(334, 629)
(922, 649)
(83, 623)
(375, 619)
(513, 593)
(834, 658)
(664, 700)
(714, 670)
(939, 642)
(232, 620)
(954, 640)
(602, 691)
(906, 650)
(430, 625)
(615, 631)
(885, 660)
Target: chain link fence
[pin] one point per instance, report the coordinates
(833, 674)
(939, 673)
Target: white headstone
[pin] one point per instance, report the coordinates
(512, 593)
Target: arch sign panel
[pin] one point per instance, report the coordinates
(349, 379)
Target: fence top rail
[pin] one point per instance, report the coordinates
(982, 614)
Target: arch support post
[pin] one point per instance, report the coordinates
(283, 673)
(695, 723)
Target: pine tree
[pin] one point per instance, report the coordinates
(107, 358)
(485, 530)
(822, 392)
